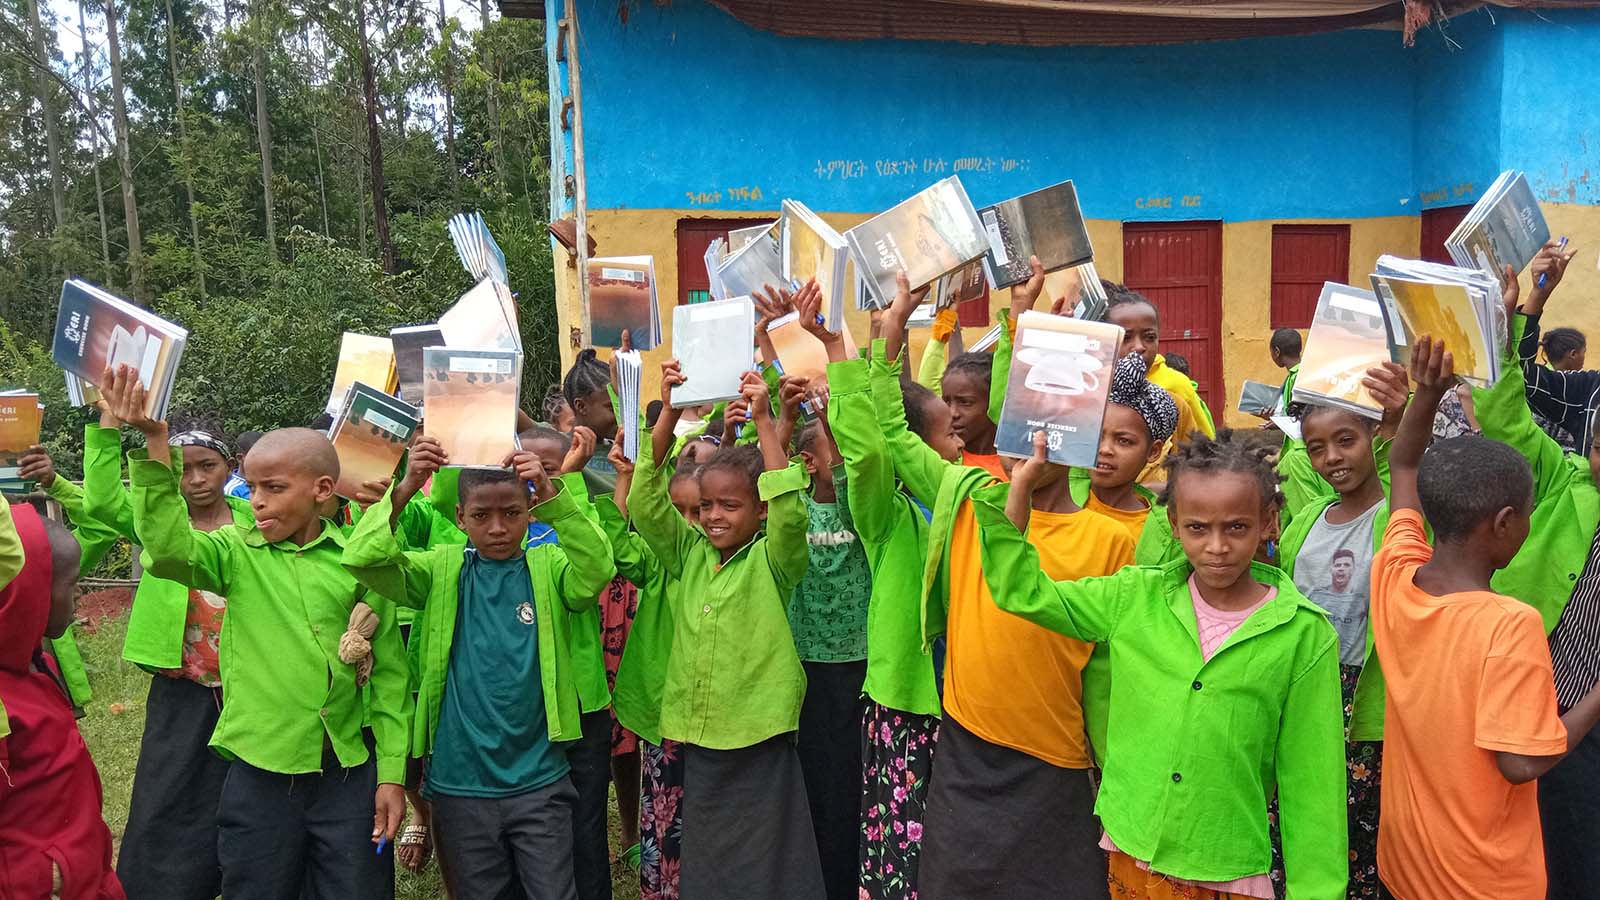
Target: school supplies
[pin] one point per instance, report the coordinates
(926, 235)
(1505, 227)
(739, 237)
(1561, 246)
(1059, 382)
(986, 343)
(968, 284)
(1347, 337)
(409, 342)
(96, 330)
(812, 249)
(362, 357)
(751, 266)
(627, 379)
(799, 351)
(469, 400)
(480, 255)
(622, 297)
(21, 418)
(715, 251)
(484, 317)
(1460, 306)
(370, 434)
(1046, 223)
(1260, 400)
(1083, 289)
(714, 345)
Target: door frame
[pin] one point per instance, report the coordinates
(1214, 377)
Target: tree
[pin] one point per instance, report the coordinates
(130, 203)
(94, 139)
(52, 128)
(447, 59)
(259, 28)
(369, 98)
(183, 152)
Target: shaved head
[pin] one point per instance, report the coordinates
(65, 555)
(305, 449)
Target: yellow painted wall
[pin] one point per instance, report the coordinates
(1246, 278)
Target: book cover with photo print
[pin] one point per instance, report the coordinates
(928, 234)
(484, 318)
(1060, 378)
(21, 418)
(1347, 338)
(370, 435)
(96, 330)
(1046, 223)
(1452, 313)
(362, 357)
(714, 343)
(622, 297)
(469, 400)
(409, 342)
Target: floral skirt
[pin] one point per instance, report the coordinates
(1363, 770)
(897, 757)
(619, 601)
(660, 820)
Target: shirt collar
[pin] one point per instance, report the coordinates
(330, 532)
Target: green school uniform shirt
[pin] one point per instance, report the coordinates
(733, 677)
(642, 671)
(95, 539)
(828, 610)
(1196, 747)
(11, 560)
(287, 691)
(895, 534)
(565, 578)
(1566, 508)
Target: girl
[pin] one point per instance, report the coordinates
(1141, 328)
(1227, 684)
(734, 684)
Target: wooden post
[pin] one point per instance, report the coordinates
(581, 197)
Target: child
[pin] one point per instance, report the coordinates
(55, 843)
(495, 617)
(304, 791)
(734, 683)
(1226, 686)
(1285, 348)
(1010, 804)
(1141, 326)
(238, 485)
(1471, 716)
(1179, 363)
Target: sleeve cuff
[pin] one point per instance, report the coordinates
(775, 484)
(989, 504)
(561, 506)
(392, 770)
(64, 490)
(849, 376)
(146, 472)
(98, 438)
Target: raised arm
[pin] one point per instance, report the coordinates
(869, 475)
(788, 552)
(1311, 777)
(105, 499)
(919, 467)
(583, 564)
(1433, 371)
(373, 555)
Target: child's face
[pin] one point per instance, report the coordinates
(595, 412)
(550, 453)
(1220, 520)
(205, 472)
(942, 434)
(968, 400)
(563, 421)
(685, 493)
(1125, 448)
(65, 560)
(1340, 446)
(285, 495)
(730, 511)
(495, 518)
(1140, 332)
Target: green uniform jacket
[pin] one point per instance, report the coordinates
(1197, 748)
(642, 671)
(430, 580)
(287, 691)
(1566, 509)
(733, 677)
(895, 534)
(160, 607)
(94, 538)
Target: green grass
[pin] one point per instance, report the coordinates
(115, 723)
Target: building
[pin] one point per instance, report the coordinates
(1227, 178)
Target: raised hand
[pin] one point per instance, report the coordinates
(792, 391)
(1432, 368)
(1025, 295)
(36, 465)
(1551, 262)
(619, 461)
(530, 468)
(125, 398)
(1027, 476)
(1387, 384)
(578, 455)
(371, 492)
(754, 391)
(671, 376)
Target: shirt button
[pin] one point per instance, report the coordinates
(1176, 777)
(325, 715)
(1197, 685)
(317, 629)
(706, 608)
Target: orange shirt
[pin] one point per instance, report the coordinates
(1468, 675)
(1131, 519)
(989, 462)
(1006, 679)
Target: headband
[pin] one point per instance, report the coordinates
(200, 439)
(1132, 389)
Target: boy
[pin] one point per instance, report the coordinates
(1286, 349)
(237, 485)
(1470, 716)
(304, 792)
(495, 620)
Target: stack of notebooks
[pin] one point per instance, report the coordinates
(739, 237)
(1046, 223)
(622, 297)
(21, 418)
(967, 284)
(96, 330)
(754, 261)
(799, 352)
(1460, 306)
(364, 358)
(627, 376)
(1505, 227)
(484, 317)
(469, 400)
(716, 251)
(370, 433)
(1348, 336)
(1260, 400)
(706, 338)
(480, 255)
(812, 249)
(409, 342)
(927, 235)
(1059, 382)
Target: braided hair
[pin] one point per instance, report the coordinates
(588, 374)
(1558, 343)
(744, 461)
(1229, 451)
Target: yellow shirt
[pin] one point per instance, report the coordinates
(1008, 680)
(1131, 519)
(1193, 415)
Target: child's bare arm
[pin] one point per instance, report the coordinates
(1519, 768)
(661, 436)
(1433, 371)
(774, 453)
(898, 313)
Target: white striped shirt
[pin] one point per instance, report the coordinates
(1575, 642)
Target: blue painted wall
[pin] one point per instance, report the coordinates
(684, 106)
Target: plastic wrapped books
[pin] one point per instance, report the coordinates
(365, 358)
(627, 375)
(96, 330)
(714, 343)
(484, 317)
(409, 342)
(1046, 223)
(469, 400)
(813, 249)
(21, 419)
(926, 235)
(1059, 382)
(370, 433)
(1260, 400)
(1505, 227)
(1347, 337)
(480, 255)
(1460, 306)
(622, 297)
(750, 267)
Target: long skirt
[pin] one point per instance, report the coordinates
(661, 821)
(897, 760)
(747, 824)
(1002, 823)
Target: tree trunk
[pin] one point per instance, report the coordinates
(492, 101)
(130, 204)
(369, 95)
(183, 149)
(94, 140)
(449, 106)
(52, 128)
(258, 60)
(361, 180)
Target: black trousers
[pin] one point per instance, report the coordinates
(169, 849)
(1569, 810)
(301, 837)
(590, 758)
(829, 745)
(509, 848)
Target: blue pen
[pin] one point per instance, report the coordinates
(382, 843)
(1560, 246)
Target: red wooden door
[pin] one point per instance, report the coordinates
(1436, 226)
(694, 236)
(1178, 265)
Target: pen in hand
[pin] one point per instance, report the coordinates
(1560, 246)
